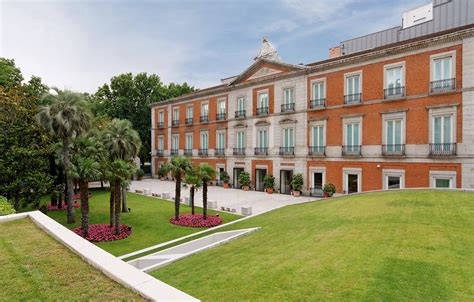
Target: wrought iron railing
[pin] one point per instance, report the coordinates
(317, 150)
(261, 151)
(393, 150)
(239, 151)
(161, 125)
(290, 107)
(443, 149)
(287, 151)
(219, 152)
(188, 121)
(203, 152)
(204, 118)
(394, 92)
(175, 123)
(353, 98)
(188, 152)
(445, 85)
(220, 116)
(319, 103)
(262, 111)
(160, 152)
(240, 114)
(351, 150)
(174, 151)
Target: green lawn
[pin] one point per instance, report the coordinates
(400, 246)
(149, 219)
(35, 267)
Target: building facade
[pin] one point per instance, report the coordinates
(400, 115)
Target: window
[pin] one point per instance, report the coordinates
(394, 135)
(288, 137)
(443, 179)
(221, 107)
(161, 117)
(394, 80)
(442, 130)
(175, 142)
(240, 139)
(317, 137)
(318, 90)
(204, 140)
(443, 72)
(241, 103)
(262, 138)
(443, 68)
(393, 179)
(288, 96)
(443, 183)
(221, 140)
(353, 85)
(189, 141)
(262, 100)
(189, 112)
(205, 109)
(352, 136)
(161, 143)
(175, 114)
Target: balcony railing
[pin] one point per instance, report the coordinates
(287, 151)
(175, 123)
(290, 107)
(394, 92)
(262, 111)
(160, 152)
(203, 152)
(161, 125)
(174, 151)
(219, 152)
(319, 103)
(188, 121)
(188, 152)
(261, 151)
(355, 98)
(351, 150)
(443, 149)
(317, 151)
(220, 116)
(393, 150)
(239, 151)
(204, 118)
(317, 191)
(441, 86)
(240, 114)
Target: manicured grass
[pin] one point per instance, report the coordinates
(149, 220)
(396, 246)
(35, 267)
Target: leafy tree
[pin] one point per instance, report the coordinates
(206, 174)
(179, 166)
(65, 117)
(192, 180)
(10, 75)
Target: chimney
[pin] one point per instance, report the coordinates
(334, 52)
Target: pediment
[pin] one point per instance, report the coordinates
(287, 121)
(262, 123)
(263, 68)
(240, 125)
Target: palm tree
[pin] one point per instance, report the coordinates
(65, 117)
(192, 180)
(178, 167)
(121, 143)
(206, 173)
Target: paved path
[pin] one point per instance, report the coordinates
(229, 198)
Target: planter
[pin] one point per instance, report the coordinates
(226, 185)
(296, 193)
(162, 178)
(270, 190)
(139, 178)
(245, 188)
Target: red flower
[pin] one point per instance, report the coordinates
(196, 221)
(103, 232)
(64, 207)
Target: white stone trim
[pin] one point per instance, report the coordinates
(345, 175)
(317, 123)
(393, 172)
(434, 57)
(386, 67)
(313, 170)
(318, 80)
(443, 111)
(351, 74)
(352, 120)
(451, 175)
(394, 116)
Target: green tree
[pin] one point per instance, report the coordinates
(65, 117)
(179, 166)
(193, 181)
(206, 174)
(10, 75)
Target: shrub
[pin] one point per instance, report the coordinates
(140, 173)
(244, 179)
(269, 181)
(6, 208)
(297, 182)
(329, 189)
(224, 176)
(161, 172)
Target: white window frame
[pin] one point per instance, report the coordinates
(314, 124)
(318, 81)
(395, 116)
(189, 134)
(437, 56)
(259, 94)
(175, 109)
(292, 89)
(161, 116)
(173, 146)
(202, 106)
(220, 101)
(243, 101)
(345, 176)
(161, 142)
(352, 120)
(187, 111)
(258, 143)
(386, 173)
(391, 66)
(439, 112)
(201, 134)
(220, 132)
(237, 139)
(283, 136)
(451, 175)
(350, 75)
(313, 170)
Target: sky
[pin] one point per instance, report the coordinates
(81, 45)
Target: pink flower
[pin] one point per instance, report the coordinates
(103, 232)
(55, 208)
(196, 221)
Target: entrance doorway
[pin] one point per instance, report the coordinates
(317, 189)
(352, 183)
(218, 176)
(259, 176)
(285, 181)
(237, 172)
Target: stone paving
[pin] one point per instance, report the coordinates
(228, 198)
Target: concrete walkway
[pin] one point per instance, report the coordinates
(229, 198)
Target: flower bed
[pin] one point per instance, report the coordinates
(103, 232)
(196, 221)
(64, 207)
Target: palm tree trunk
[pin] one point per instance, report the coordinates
(118, 194)
(204, 199)
(84, 188)
(70, 185)
(124, 200)
(177, 198)
(52, 171)
(112, 207)
(191, 198)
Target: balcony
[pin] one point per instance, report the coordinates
(203, 152)
(394, 92)
(219, 152)
(161, 125)
(220, 116)
(262, 111)
(317, 151)
(355, 98)
(188, 152)
(261, 151)
(319, 103)
(175, 123)
(448, 149)
(352, 150)
(285, 108)
(393, 150)
(239, 151)
(287, 151)
(188, 121)
(317, 191)
(174, 151)
(240, 114)
(204, 118)
(160, 152)
(442, 86)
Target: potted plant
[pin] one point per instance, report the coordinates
(140, 173)
(329, 190)
(269, 183)
(244, 180)
(297, 184)
(224, 177)
(161, 173)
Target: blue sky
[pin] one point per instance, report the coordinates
(80, 45)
